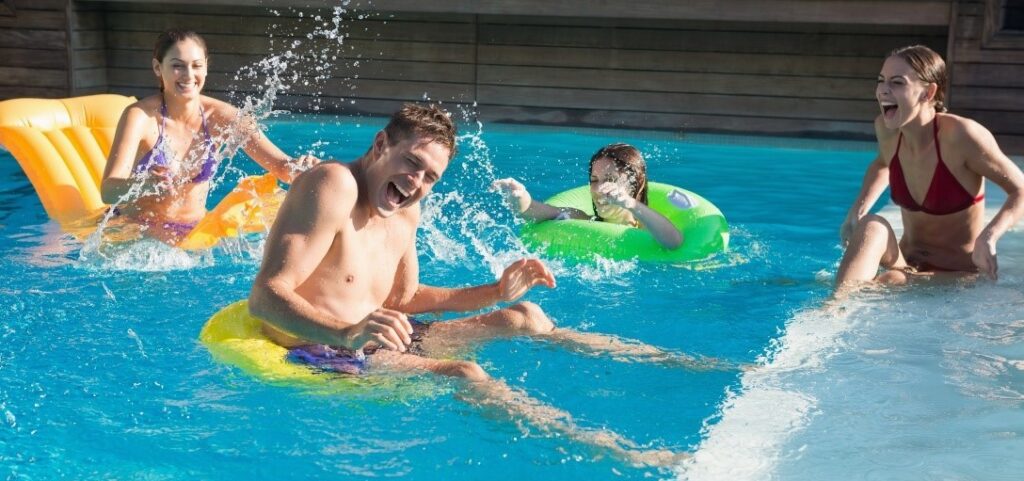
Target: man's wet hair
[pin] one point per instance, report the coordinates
(423, 120)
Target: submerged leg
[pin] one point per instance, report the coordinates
(628, 350)
(496, 395)
(528, 319)
(483, 391)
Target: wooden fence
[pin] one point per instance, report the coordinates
(662, 65)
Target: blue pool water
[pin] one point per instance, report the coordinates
(102, 376)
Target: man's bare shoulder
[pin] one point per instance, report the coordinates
(330, 187)
(328, 176)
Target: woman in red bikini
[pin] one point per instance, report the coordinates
(164, 152)
(939, 158)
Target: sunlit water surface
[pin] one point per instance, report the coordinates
(102, 376)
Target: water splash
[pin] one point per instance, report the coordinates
(144, 255)
(459, 233)
(304, 58)
(473, 227)
(467, 216)
(601, 270)
(9, 417)
(138, 342)
(106, 290)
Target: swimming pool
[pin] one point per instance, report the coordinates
(102, 376)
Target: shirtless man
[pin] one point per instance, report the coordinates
(341, 270)
(341, 267)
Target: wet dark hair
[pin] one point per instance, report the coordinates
(929, 67)
(424, 120)
(627, 159)
(169, 38)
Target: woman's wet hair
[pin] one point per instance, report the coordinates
(929, 67)
(169, 38)
(630, 161)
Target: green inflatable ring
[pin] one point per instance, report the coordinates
(235, 337)
(705, 231)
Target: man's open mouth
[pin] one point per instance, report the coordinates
(396, 195)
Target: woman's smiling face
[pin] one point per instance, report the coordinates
(901, 94)
(183, 69)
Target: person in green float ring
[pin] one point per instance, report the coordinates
(618, 189)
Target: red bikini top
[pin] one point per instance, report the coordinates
(945, 194)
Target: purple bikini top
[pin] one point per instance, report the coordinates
(158, 156)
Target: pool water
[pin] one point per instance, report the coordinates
(102, 375)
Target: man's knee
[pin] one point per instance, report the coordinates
(467, 370)
(529, 318)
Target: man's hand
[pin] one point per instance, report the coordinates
(521, 276)
(984, 256)
(515, 194)
(387, 328)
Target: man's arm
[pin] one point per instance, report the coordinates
(409, 296)
(461, 299)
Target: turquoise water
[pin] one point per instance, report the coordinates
(102, 376)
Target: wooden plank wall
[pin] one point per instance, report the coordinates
(384, 60)
(775, 78)
(88, 45)
(802, 79)
(33, 49)
(987, 83)
(52, 49)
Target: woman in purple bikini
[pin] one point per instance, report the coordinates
(164, 152)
